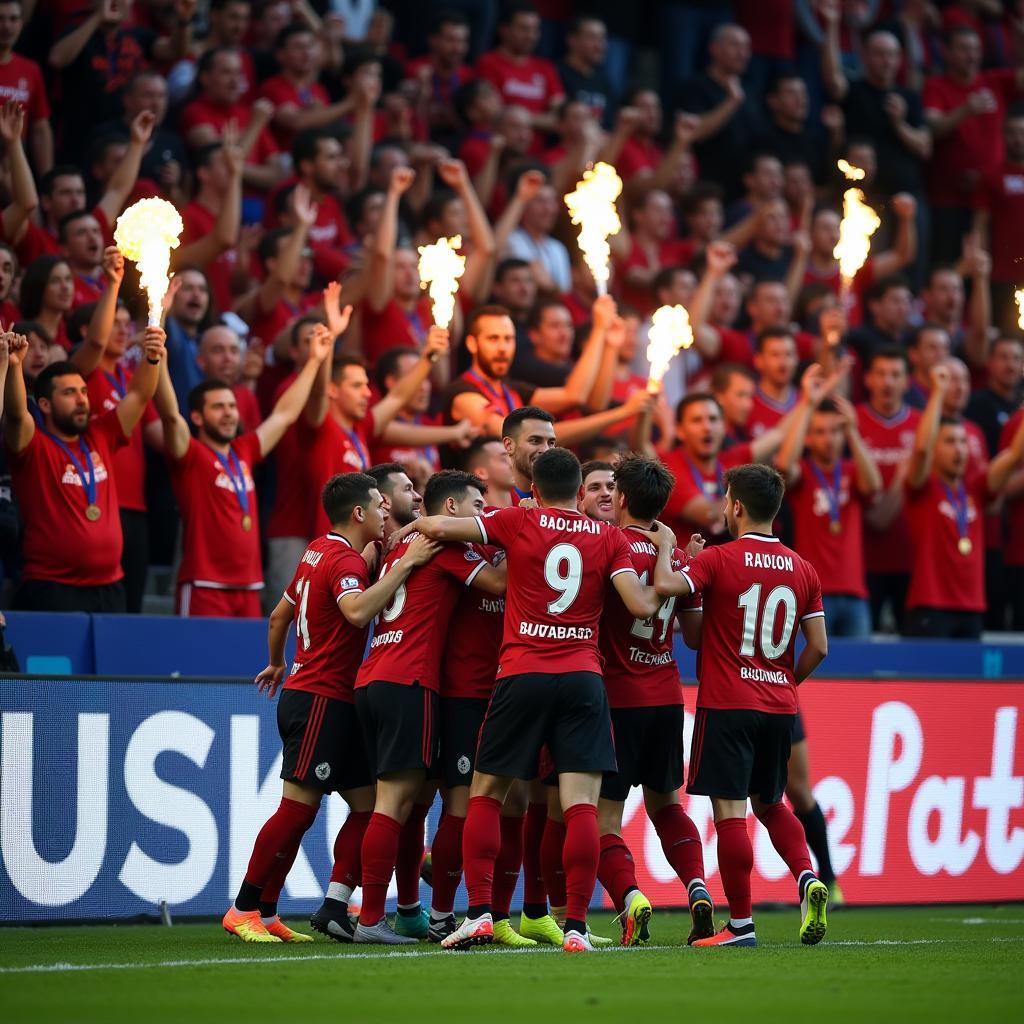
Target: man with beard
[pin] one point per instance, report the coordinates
(487, 460)
(598, 491)
(221, 572)
(189, 298)
(401, 499)
(63, 469)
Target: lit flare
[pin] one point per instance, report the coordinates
(1018, 296)
(669, 334)
(441, 266)
(859, 223)
(592, 208)
(146, 233)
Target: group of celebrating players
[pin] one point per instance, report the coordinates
(521, 661)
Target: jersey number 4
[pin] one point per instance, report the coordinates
(644, 628)
(750, 602)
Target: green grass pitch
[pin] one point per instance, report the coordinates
(930, 964)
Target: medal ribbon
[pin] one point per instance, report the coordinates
(959, 504)
(698, 478)
(832, 490)
(119, 382)
(236, 476)
(353, 437)
(488, 390)
(88, 478)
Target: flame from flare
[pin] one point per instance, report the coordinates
(1018, 296)
(592, 207)
(670, 333)
(441, 266)
(859, 223)
(147, 232)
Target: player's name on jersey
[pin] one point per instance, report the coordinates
(543, 630)
(646, 658)
(767, 560)
(392, 636)
(642, 547)
(312, 557)
(581, 525)
(761, 675)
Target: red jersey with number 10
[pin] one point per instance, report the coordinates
(558, 564)
(755, 592)
(328, 648)
(639, 670)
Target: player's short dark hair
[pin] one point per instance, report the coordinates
(387, 365)
(771, 333)
(448, 483)
(383, 472)
(343, 492)
(514, 420)
(342, 363)
(491, 309)
(68, 219)
(758, 488)
(197, 396)
(723, 374)
(645, 484)
(557, 475)
(595, 466)
(45, 383)
(694, 399)
(474, 454)
(48, 181)
(887, 352)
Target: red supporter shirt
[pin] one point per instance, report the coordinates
(559, 562)
(974, 148)
(328, 236)
(218, 551)
(248, 408)
(532, 82)
(766, 412)
(407, 643)
(60, 544)
(772, 26)
(470, 665)
(890, 443)
(199, 222)
(86, 290)
(105, 393)
(280, 91)
(393, 327)
(756, 591)
(21, 80)
(942, 577)
(267, 326)
(328, 648)
(39, 241)
(735, 348)
(638, 155)
(332, 449)
(692, 482)
(202, 112)
(1002, 194)
(670, 253)
(1013, 553)
(639, 670)
(407, 452)
(838, 558)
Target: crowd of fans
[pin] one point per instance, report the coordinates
(311, 146)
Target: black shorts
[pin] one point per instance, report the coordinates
(568, 711)
(736, 754)
(399, 726)
(649, 749)
(461, 719)
(799, 733)
(323, 743)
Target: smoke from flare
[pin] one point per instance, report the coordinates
(147, 232)
(592, 207)
(859, 223)
(669, 334)
(441, 266)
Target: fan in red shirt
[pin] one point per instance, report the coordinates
(776, 363)
(221, 572)
(397, 690)
(549, 688)
(888, 426)
(82, 240)
(946, 508)
(646, 700)
(755, 591)
(220, 358)
(1014, 551)
(443, 71)
(21, 80)
(522, 79)
(827, 494)
(331, 604)
(633, 146)
(63, 470)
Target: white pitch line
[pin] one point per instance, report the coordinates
(65, 968)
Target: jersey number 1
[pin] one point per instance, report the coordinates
(750, 602)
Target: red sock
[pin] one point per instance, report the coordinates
(551, 847)
(788, 837)
(735, 862)
(481, 843)
(410, 856)
(277, 841)
(581, 856)
(533, 835)
(446, 862)
(616, 870)
(275, 883)
(681, 842)
(380, 851)
(348, 848)
(508, 864)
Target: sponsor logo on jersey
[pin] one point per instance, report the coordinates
(472, 556)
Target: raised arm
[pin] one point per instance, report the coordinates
(18, 424)
(573, 432)
(364, 96)
(144, 380)
(289, 252)
(177, 46)
(122, 181)
(921, 457)
(446, 529)
(1004, 465)
(720, 258)
(869, 479)
(790, 436)
(382, 251)
(482, 251)
(101, 324)
(405, 387)
(714, 120)
(24, 198)
(977, 264)
(338, 318)
(175, 430)
(904, 250)
(65, 51)
(832, 73)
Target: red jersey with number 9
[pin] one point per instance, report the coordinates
(328, 648)
(558, 563)
(755, 591)
(639, 670)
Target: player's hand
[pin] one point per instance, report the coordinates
(603, 312)
(113, 264)
(437, 344)
(528, 503)
(529, 184)
(695, 545)
(337, 317)
(399, 535)
(421, 550)
(231, 147)
(12, 121)
(270, 679)
(466, 432)
(401, 179)
(5, 351)
(453, 173)
(142, 127)
(153, 342)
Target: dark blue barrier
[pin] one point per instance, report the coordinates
(51, 644)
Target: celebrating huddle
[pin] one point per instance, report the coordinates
(521, 660)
